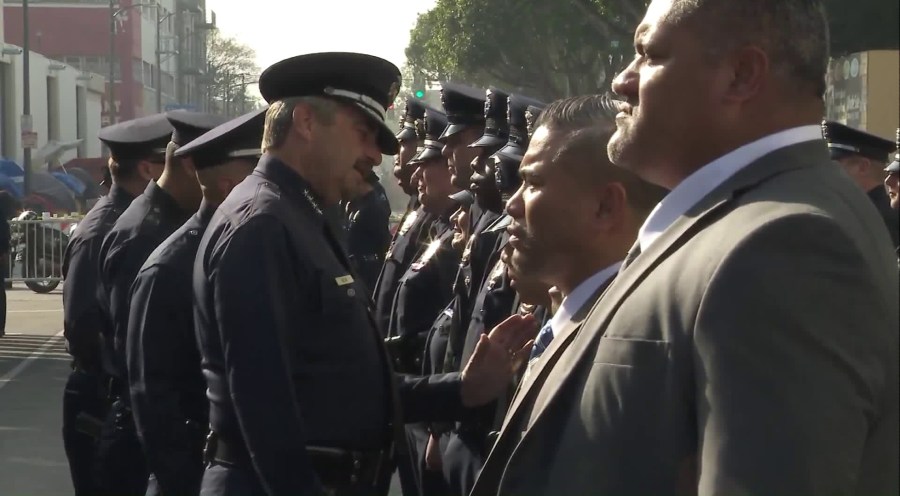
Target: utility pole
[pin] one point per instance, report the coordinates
(158, 59)
(26, 124)
(110, 95)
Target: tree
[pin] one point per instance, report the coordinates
(552, 49)
(545, 49)
(231, 68)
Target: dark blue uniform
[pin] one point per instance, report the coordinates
(149, 220)
(408, 242)
(84, 400)
(289, 351)
(423, 291)
(368, 233)
(168, 391)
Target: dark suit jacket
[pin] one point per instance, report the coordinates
(751, 349)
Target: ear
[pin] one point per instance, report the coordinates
(302, 120)
(611, 202)
(749, 70)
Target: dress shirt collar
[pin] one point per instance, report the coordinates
(581, 294)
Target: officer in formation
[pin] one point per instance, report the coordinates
(415, 225)
(165, 205)
(424, 289)
(137, 150)
(168, 391)
(863, 156)
(366, 218)
(892, 183)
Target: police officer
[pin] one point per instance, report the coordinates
(410, 237)
(426, 286)
(136, 148)
(892, 183)
(168, 391)
(367, 214)
(298, 381)
(163, 207)
(863, 156)
(467, 445)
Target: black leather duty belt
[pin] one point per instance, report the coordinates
(338, 469)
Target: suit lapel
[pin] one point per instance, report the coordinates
(685, 227)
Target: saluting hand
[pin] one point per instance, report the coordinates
(496, 359)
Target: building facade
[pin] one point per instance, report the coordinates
(158, 48)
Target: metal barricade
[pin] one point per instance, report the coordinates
(36, 251)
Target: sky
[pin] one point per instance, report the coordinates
(278, 29)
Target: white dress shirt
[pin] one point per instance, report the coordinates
(704, 180)
(581, 294)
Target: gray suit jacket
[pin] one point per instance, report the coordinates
(752, 349)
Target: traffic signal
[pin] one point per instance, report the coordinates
(419, 93)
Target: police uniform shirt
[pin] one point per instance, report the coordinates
(168, 389)
(82, 315)
(287, 345)
(409, 241)
(149, 220)
(368, 234)
(424, 290)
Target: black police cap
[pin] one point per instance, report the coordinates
(413, 114)
(371, 83)
(238, 138)
(894, 167)
(464, 106)
(188, 126)
(523, 115)
(844, 140)
(137, 139)
(464, 198)
(435, 123)
(496, 125)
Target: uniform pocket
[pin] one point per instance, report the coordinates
(630, 352)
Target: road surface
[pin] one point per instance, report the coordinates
(34, 367)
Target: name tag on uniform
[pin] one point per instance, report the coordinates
(344, 280)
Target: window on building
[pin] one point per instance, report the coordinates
(81, 119)
(52, 108)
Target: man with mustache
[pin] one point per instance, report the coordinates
(749, 344)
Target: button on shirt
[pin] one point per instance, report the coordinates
(704, 180)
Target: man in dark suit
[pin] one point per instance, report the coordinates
(749, 344)
(863, 155)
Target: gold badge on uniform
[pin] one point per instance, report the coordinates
(426, 255)
(408, 222)
(344, 280)
(496, 274)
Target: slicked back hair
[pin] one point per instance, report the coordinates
(583, 126)
(794, 34)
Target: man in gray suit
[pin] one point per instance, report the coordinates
(749, 345)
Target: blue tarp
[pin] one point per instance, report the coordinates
(11, 169)
(71, 182)
(9, 184)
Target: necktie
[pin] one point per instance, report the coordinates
(544, 337)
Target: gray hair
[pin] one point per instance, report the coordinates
(280, 116)
(794, 33)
